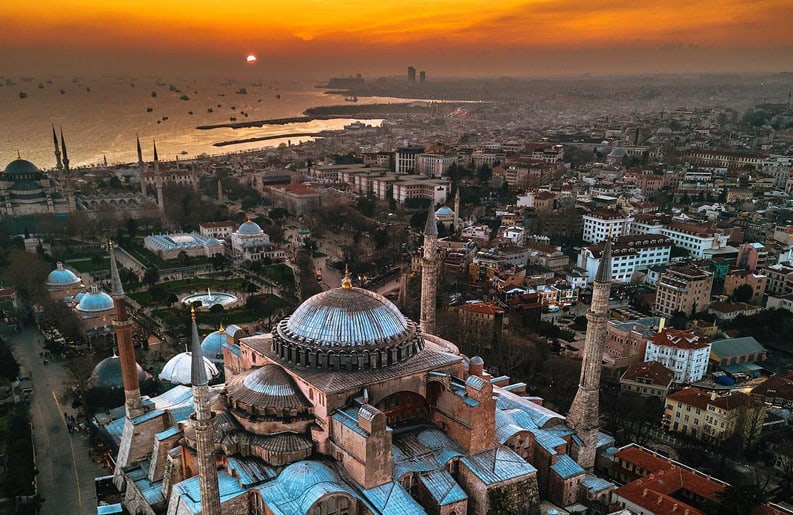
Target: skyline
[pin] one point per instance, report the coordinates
(314, 38)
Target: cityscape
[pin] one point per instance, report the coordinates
(310, 263)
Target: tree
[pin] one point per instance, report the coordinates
(219, 261)
(172, 299)
(132, 227)
(743, 293)
(151, 276)
(740, 500)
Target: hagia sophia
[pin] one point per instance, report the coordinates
(348, 407)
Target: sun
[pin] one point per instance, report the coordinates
(250, 59)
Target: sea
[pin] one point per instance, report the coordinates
(101, 116)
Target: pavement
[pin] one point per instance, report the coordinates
(66, 471)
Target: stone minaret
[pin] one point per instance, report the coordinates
(126, 350)
(457, 210)
(202, 420)
(141, 166)
(429, 273)
(58, 164)
(158, 180)
(584, 415)
(65, 154)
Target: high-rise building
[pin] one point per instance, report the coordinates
(411, 74)
(422, 76)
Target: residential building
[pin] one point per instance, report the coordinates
(752, 256)
(710, 417)
(776, 390)
(628, 339)
(698, 240)
(600, 225)
(780, 279)
(737, 278)
(631, 254)
(434, 164)
(217, 230)
(298, 199)
(681, 351)
(482, 322)
(649, 379)
(730, 310)
(780, 302)
(549, 256)
(683, 289)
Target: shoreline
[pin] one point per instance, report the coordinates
(267, 138)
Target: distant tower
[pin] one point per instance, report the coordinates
(422, 76)
(402, 296)
(429, 273)
(457, 210)
(58, 165)
(584, 413)
(63, 151)
(126, 351)
(141, 166)
(220, 189)
(158, 182)
(411, 74)
(203, 421)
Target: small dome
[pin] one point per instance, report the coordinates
(79, 296)
(95, 301)
(476, 360)
(62, 277)
(213, 241)
(618, 152)
(212, 345)
(178, 369)
(250, 228)
(297, 475)
(444, 211)
(107, 374)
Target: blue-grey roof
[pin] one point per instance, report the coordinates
(595, 484)
(422, 450)
(300, 485)
(234, 349)
(566, 467)
(190, 493)
(94, 302)
(62, 277)
(347, 317)
(178, 369)
(250, 470)
(498, 464)
(442, 487)
(736, 347)
(109, 509)
(20, 169)
(392, 499)
(168, 433)
(107, 374)
(444, 211)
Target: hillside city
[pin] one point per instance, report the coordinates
(550, 296)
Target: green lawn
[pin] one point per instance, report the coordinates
(188, 285)
(86, 265)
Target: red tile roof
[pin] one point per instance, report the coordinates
(658, 374)
(679, 339)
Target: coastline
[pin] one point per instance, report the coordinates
(267, 138)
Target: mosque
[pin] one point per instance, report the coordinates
(348, 407)
(26, 190)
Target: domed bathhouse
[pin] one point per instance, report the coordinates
(251, 243)
(62, 283)
(346, 407)
(95, 311)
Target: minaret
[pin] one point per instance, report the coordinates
(202, 420)
(584, 415)
(220, 189)
(126, 350)
(158, 181)
(141, 166)
(63, 151)
(429, 273)
(457, 210)
(58, 165)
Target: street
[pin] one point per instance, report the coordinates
(66, 471)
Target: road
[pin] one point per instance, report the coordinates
(66, 471)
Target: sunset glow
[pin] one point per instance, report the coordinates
(315, 28)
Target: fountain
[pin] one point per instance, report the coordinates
(209, 299)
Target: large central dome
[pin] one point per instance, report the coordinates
(347, 329)
(347, 317)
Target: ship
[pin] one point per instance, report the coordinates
(351, 98)
(22, 94)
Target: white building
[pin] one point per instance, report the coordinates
(600, 225)
(405, 159)
(695, 238)
(514, 234)
(219, 230)
(682, 352)
(434, 165)
(629, 254)
(170, 246)
(251, 243)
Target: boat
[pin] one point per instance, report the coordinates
(149, 109)
(184, 152)
(184, 97)
(22, 94)
(278, 95)
(351, 98)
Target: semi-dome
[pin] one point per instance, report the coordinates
(178, 369)
(212, 345)
(95, 301)
(250, 228)
(347, 329)
(107, 374)
(62, 276)
(266, 388)
(618, 152)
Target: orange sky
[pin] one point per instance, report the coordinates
(368, 32)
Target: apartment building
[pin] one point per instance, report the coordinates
(780, 279)
(600, 225)
(683, 352)
(434, 164)
(650, 379)
(627, 340)
(708, 416)
(683, 288)
(405, 159)
(737, 278)
(630, 254)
